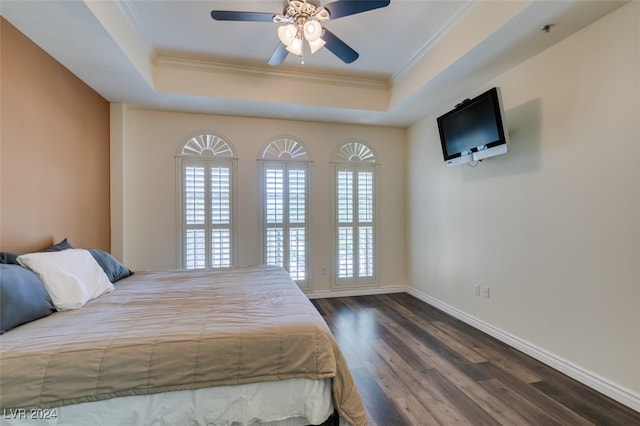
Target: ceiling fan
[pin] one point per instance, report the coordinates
(302, 20)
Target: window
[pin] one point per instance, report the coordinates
(354, 164)
(284, 207)
(206, 167)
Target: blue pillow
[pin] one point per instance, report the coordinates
(22, 297)
(111, 266)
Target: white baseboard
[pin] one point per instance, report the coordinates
(612, 390)
(347, 292)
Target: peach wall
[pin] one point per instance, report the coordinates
(54, 155)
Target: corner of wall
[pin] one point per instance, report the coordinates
(118, 113)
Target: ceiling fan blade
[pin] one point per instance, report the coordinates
(231, 15)
(279, 55)
(340, 8)
(339, 47)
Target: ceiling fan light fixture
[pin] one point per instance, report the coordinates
(287, 34)
(295, 7)
(312, 30)
(321, 14)
(316, 45)
(295, 46)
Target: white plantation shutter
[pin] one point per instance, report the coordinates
(345, 223)
(274, 209)
(365, 223)
(220, 216)
(345, 252)
(206, 192)
(195, 252)
(355, 214)
(194, 216)
(220, 195)
(194, 189)
(297, 191)
(284, 208)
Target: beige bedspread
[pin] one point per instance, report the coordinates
(175, 330)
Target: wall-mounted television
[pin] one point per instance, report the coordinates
(474, 129)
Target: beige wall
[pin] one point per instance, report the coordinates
(553, 226)
(54, 152)
(149, 143)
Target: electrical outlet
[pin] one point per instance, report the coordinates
(476, 290)
(485, 292)
(325, 270)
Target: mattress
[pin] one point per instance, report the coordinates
(294, 402)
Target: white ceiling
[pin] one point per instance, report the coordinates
(416, 56)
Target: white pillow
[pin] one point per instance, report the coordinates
(71, 277)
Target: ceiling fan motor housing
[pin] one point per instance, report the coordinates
(298, 12)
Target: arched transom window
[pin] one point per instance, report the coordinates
(206, 166)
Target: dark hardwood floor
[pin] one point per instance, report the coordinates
(416, 365)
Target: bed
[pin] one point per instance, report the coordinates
(241, 345)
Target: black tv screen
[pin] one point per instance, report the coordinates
(474, 129)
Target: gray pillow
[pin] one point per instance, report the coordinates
(22, 297)
(62, 245)
(8, 258)
(111, 266)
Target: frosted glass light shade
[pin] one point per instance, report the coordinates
(295, 47)
(316, 44)
(312, 30)
(287, 33)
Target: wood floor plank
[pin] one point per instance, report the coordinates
(529, 412)
(435, 349)
(350, 345)
(382, 410)
(495, 354)
(440, 331)
(414, 410)
(457, 397)
(430, 397)
(598, 409)
(552, 407)
(392, 374)
(416, 365)
(502, 413)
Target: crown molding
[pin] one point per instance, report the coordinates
(435, 38)
(255, 71)
(128, 11)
